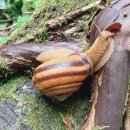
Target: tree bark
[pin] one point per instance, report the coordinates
(111, 81)
(113, 89)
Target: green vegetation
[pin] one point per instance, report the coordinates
(43, 113)
(14, 7)
(8, 89)
(3, 40)
(32, 25)
(4, 70)
(31, 19)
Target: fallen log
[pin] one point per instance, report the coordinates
(13, 57)
(111, 82)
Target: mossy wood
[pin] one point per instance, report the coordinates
(21, 107)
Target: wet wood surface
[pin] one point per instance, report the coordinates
(24, 55)
(112, 80)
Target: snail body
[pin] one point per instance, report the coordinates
(59, 78)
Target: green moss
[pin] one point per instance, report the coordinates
(29, 5)
(21, 20)
(5, 129)
(35, 29)
(48, 114)
(4, 70)
(3, 25)
(8, 89)
(108, 1)
(3, 40)
(44, 114)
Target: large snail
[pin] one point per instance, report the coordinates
(63, 71)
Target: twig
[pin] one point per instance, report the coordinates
(67, 122)
(55, 23)
(6, 15)
(64, 37)
(9, 27)
(99, 30)
(71, 30)
(7, 20)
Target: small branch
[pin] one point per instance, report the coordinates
(67, 122)
(55, 23)
(71, 30)
(6, 15)
(7, 28)
(7, 20)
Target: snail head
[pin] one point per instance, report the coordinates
(110, 30)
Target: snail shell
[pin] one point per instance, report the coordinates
(60, 78)
(58, 53)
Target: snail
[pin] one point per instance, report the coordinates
(63, 71)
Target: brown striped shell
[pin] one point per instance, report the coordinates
(61, 77)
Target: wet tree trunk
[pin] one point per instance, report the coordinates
(111, 82)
